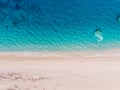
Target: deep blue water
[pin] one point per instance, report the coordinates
(36, 25)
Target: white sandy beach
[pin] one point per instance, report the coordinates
(60, 71)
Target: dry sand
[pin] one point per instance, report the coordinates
(60, 71)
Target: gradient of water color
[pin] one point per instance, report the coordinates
(55, 25)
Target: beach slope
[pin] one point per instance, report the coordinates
(58, 73)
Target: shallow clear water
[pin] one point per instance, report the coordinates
(35, 25)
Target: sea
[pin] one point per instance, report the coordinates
(59, 25)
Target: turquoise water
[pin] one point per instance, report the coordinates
(55, 25)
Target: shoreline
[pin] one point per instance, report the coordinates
(64, 55)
